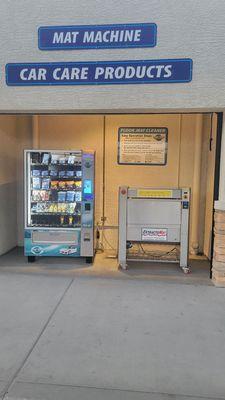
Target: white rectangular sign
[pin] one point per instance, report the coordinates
(154, 234)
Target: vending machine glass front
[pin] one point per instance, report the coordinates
(54, 189)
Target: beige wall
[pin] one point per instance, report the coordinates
(24, 140)
(87, 132)
(211, 127)
(15, 136)
(152, 176)
(186, 170)
(8, 181)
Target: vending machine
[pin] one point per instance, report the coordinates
(59, 204)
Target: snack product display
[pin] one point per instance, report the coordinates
(55, 190)
(36, 182)
(45, 183)
(54, 184)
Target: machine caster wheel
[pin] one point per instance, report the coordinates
(124, 267)
(186, 270)
(89, 260)
(31, 259)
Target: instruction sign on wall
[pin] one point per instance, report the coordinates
(142, 146)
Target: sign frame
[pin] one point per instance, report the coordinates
(187, 65)
(143, 164)
(68, 28)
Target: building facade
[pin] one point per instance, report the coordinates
(191, 32)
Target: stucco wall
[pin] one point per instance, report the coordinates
(24, 141)
(193, 28)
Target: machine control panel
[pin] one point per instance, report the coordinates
(87, 237)
(87, 220)
(185, 198)
(185, 194)
(87, 207)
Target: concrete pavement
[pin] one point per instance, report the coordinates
(33, 391)
(104, 266)
(93, 338)
(26, 304)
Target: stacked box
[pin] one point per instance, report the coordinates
(218, 270)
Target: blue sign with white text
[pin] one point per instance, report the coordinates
(99, 72)
(80, 37)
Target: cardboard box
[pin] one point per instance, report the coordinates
(218, 282)
(219, 266)
(219, 257)
(219, 216)
(219, 249)
(219, 241)
(220, 227)
(218, 274)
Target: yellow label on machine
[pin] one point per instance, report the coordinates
(154, 193)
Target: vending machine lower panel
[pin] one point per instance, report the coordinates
(49, 243)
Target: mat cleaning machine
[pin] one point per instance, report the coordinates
(153, 216)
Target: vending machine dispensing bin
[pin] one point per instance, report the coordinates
(59, 204)
(150, 216)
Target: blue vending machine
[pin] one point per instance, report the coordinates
(59, 204)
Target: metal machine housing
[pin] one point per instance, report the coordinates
(149, 215)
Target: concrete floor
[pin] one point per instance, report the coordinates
(86, 337)
(15, 262)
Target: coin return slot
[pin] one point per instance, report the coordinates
(87, 207)
(87, 237)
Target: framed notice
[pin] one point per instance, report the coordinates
(142, 146)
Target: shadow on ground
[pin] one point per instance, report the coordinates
(104, 266)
